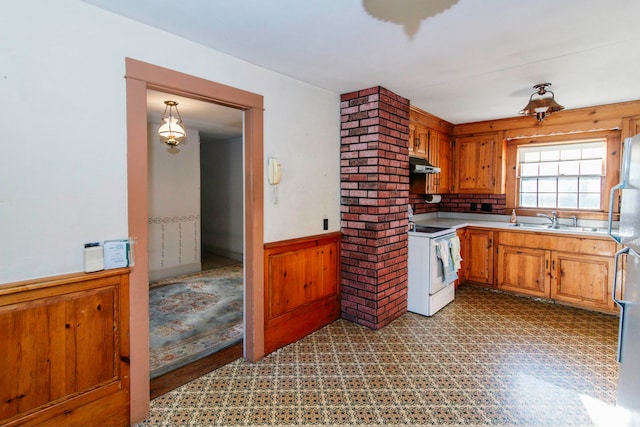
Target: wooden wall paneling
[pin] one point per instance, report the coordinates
(612, 166)
(510, 178)
(428, 120)
(65, 350)
(630, 126)
(302, 287)
(612, 169)
(580, 119)
(565, 129)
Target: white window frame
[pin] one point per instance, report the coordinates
(577, 163)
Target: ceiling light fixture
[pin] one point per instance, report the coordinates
(172, 130)
(543, 105)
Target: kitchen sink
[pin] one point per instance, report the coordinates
(525, 225)
(558, 227)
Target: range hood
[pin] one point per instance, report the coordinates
(420, 165)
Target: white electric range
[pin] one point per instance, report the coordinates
(428, 288)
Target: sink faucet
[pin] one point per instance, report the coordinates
(575, 220)
(553, 218)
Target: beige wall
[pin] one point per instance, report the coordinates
(64, 159)
(174, 206)
(65, 152)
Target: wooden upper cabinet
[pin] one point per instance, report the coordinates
(479, 164)
(430, 139)
(417, 141)
(445, 153)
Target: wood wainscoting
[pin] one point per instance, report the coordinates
(65, 350)
(302, 288)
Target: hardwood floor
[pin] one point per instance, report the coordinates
(174, 379)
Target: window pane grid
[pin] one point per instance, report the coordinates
(565, 176)
(561, 193)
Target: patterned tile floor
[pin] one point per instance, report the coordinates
(487, 359)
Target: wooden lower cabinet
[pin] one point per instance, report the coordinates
(578, 271)
(65, 351)
(523, 270)
(478, 256)
(462, 234)
(582, 279)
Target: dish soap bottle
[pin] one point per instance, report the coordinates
(514, 218)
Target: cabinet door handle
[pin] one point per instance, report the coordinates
(546, 264)
(553, 264)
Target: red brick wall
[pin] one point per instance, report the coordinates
(460, 203)
(374, 169)
(419, 204)
(465, 202)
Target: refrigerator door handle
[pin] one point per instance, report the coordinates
(624, 176)
(619, 302)
(611, 202)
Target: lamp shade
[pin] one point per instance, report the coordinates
(172, 130)
(542, 105)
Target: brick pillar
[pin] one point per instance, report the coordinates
(374, 170)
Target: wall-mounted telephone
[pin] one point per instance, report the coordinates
(275, 172)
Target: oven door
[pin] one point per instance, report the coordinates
(438, 281)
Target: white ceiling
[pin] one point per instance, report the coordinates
(215, 122)
(462, 60)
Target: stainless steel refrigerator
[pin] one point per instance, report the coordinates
(629, 301)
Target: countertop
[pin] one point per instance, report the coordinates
(455, 221)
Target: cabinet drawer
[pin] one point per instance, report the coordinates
(551, 241)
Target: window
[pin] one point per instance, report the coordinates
(562, 176)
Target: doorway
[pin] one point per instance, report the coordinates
(140, 77)
(195, 237)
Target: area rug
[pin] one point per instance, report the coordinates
(193, 316)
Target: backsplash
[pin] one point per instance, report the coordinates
(468, 203)
(420, 205)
